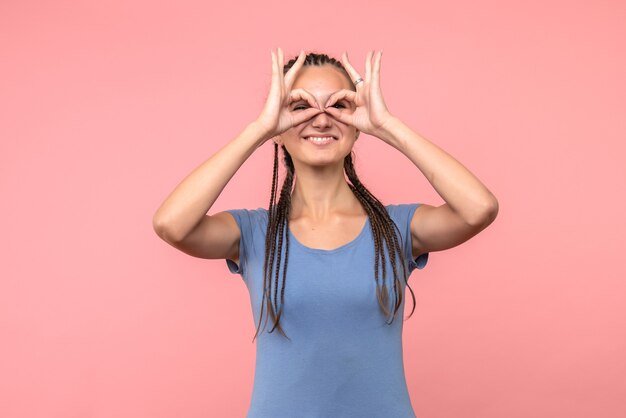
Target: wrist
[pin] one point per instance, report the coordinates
(260, 130)
(388, 130)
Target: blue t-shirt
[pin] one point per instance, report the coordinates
(343, 360)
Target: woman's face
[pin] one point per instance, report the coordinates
(321, 82)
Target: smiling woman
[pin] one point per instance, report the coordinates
(320, 79)
(328, 262)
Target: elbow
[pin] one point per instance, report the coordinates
(162, 229)
(491, 211)
(158, 226)
(495, 207)
(487, 214)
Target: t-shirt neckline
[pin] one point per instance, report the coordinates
(334, 250)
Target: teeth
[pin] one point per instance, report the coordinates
(320, 138)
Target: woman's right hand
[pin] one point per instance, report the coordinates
(276, 116)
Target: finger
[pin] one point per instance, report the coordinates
(305, 115)
(368, 66)
(291, 74)
(339, 115)
(274, 65)
(302, 94)
(376, 70)
(354, 75)
(275, 74)
(281, 63)
(340, 95)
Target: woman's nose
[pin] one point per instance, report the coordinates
(321, 119)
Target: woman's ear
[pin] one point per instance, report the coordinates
(277, 139)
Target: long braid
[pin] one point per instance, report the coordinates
(269, 242)
(384, 229)
(381, 222)
(276, 217)
(284, 204)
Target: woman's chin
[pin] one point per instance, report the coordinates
(320, 161)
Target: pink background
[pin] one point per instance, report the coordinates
(106, 106)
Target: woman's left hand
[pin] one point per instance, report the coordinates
(370, 114)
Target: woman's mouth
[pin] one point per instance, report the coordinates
(320, 140)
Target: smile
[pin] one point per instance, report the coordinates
(320, 140)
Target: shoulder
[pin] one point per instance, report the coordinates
(401, 212)
(248, 219)
(258, 213)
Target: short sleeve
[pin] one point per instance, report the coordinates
(250, 223)
(402, 214)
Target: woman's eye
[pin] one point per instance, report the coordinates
(341, 105)
(300, 107)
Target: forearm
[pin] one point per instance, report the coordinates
(461, 190)
(189, 202)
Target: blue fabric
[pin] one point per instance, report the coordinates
(343, 360)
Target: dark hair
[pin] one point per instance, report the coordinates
(383, 227)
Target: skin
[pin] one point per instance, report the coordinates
(321, 195)
(469, 206)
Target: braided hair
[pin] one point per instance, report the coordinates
(383, 228)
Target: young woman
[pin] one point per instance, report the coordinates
(328, 263)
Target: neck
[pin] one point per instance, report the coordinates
(321, 192)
